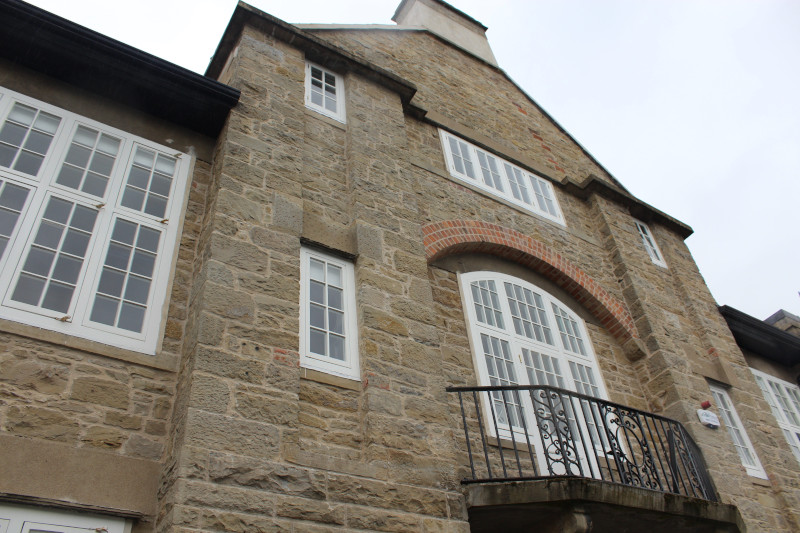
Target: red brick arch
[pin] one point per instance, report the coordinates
(460, 236)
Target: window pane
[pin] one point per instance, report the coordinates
(58, 297)
(111, 282)
(28, 290)
(131, 317)
(317, 316)
(337, 347)
(137, 289)
(317, 344)
(104, 310)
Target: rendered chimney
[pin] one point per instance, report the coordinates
(448, 23)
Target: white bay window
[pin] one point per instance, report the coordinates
(89, 219)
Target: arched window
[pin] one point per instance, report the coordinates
(524, 336)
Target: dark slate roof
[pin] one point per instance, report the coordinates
(761, 338)
(66, 51)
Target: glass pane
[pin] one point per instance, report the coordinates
(317, 292)
(317, 270)
(39, 261)
(70, 177)
(108, 145)
(102, 164)
(317, 316)
(38, 142)
(337, 347)
(317, 342)
(335, 298)
(165, 165)
(111, 282)
(334, 275)
(148, 239)
(336, 321)
(8, 219)
(133, 198)
(144, 157)
(28, 163)
(83, 218)
(13, 134)
(139, 177)
(85, 136)
(316, 98)
(7, 154)
(47, 123)
(137, 289)
(28, 289)
(160, 185)
(125, 232)
(118, 256)
(49, 234)
(156, 206)
(104, 310)
(57, 297)
(22, 114)
(67, 269)
(143, 263)
(95, 185)
(78, 155)
(131, 317)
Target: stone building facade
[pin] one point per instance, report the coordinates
(337, 159)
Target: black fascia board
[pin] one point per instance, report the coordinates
(54, 46)
(314, 48)
(761, 338)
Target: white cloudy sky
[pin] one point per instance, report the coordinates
(694, 105)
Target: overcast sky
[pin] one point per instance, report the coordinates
(694, 105)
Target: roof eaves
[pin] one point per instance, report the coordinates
(61, 49)
(762, 338)
(315, 49)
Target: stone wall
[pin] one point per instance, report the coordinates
(266, 444)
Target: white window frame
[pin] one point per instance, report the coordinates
(349, 366)
(75, 322)
(517, 186)
(783, 398)
(737, 433)
(649, 243)
(569, 359)
(340, 112)
(22, 519)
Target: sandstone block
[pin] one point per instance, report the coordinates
(42, 423)
(100, 391)
(273, 477)
(222, 433)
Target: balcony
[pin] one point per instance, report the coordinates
(563, 461)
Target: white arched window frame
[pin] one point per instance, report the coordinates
(522, 335)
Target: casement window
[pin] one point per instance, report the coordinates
(649, 244)
(500, 178)
(25, 519)
(328, 335)
(89, 221)
(521, 335)
(784, 400)
(733, 424)
(325, 92)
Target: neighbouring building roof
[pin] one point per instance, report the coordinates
(762, 338)
(91, 61)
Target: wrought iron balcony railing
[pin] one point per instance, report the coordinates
(516, 433)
